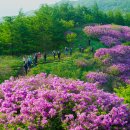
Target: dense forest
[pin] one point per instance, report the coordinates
(103, 4)
(47, 27)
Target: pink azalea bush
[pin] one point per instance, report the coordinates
(110, 35)
(120, 59)
(109, 41)
(51, 102)
(97, 77)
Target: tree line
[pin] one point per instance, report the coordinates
(47, 27)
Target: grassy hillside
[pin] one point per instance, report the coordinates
(72, 66)
(9, 66)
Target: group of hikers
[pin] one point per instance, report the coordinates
(32, 60)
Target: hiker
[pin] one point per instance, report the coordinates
(54, 54)
(24, 59)
(70, 51)
(45, 56)
(38, 55)
(89, 42)
(80, 48)
(29, 62)
(72, 44)
(92, 49)
(31, 59)
(59, 54)
(26, 67)
(66, 51)
(35, 59)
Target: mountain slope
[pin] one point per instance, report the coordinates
(106, 5)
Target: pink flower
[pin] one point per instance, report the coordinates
(52, 112)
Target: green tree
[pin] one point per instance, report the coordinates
(70, 37)
(110, 16)
(127, 19)
(119, 18)
(67, 24)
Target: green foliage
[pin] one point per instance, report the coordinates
(45, 29)
(56, 68)
(70, 37)
(81, 63)
(124, 92)
(67, 24)
(127, 19)
(127, 43)
(54, 124)
(119, 18)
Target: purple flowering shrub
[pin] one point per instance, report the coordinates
(109, 41)
(51, 102)
(110, 35)
(97, 77)
(120, 60)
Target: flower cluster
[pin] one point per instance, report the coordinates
(110, 35)
(109, 41)
(120, 59)
(39, 101)
(97, 77)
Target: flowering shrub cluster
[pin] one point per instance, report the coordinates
(48, 102)
(110, 35)
(97, 77)
(120, 59)
(109, 41)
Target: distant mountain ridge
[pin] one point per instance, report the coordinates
(106, 5)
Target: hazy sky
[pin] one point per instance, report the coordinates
(12, 7)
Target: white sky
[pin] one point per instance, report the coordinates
(12, 7)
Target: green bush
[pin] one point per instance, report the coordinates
(124, 92)
(127, 43)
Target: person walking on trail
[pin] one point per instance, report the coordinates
(66, 50)
(92, 49)
(45, 56)
(54, 54)
(59, 54)
(24, 59)
(26, 67)
(35, 59)
(29, 62)
(89, 42)
(70, 51)
(31, 59)
(80, 48)
(39, 55)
